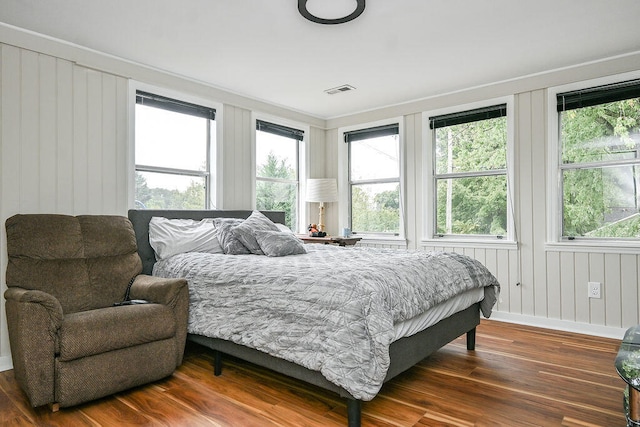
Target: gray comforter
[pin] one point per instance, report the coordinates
(331, 310)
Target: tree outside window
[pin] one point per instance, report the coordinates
(470, 172)
(374, 179)
(172, 146)
(600, 163)
(277, 180)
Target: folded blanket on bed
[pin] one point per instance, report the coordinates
(331, 310)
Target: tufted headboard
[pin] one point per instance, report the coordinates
(140, 220)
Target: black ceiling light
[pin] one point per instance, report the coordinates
(302, 8)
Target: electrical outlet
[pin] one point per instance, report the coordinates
(594, 289)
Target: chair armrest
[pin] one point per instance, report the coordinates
(33, 320)
(157, 289)
(170, 292)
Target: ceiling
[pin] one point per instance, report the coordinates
(397, 51)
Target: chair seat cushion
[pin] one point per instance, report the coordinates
(97, 331)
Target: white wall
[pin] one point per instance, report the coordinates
(64, 144)
(541, 284)
(65, 135)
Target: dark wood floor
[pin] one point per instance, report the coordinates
(517, 375)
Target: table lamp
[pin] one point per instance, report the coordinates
(322, 190)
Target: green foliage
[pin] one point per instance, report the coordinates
(477, 205)
(278, 196)
(591, 196)
(193, 197)
(377, 214)
(628, 227)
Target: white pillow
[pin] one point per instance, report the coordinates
(175, 236)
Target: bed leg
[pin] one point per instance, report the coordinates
(471, 339)
(217, 363)
(354, 409)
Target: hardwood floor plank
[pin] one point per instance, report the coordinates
(518, 375)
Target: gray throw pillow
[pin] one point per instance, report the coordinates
(245, 232)
(228, 240)
(279, 243)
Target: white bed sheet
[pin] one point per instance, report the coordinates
(437, 313)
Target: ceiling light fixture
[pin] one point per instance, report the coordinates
(302, 8)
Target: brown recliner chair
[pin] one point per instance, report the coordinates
(69, 343)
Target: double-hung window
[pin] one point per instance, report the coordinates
(277, 169)
(374, 180)
(470, 172)
(173, 142)
(599, 162)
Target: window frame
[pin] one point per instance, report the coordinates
(555, 240)
(213, 149)
(344, 181)
(301, 157)
(429, 206)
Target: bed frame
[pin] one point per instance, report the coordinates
(404, 353)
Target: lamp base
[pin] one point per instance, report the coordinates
(321, 217)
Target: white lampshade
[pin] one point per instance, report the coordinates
(322, 190)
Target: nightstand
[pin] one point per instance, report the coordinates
(340, 241)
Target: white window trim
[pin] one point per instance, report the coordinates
(343, 182)
(215, 149)
(429, 197)
(555, 242)
(303, 161)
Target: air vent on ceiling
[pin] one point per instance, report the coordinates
(339, 89)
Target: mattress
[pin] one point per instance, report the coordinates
(437, 313)
(332, 310)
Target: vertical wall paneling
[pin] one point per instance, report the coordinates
(330, 144)
(80, 138)
(611, 290)
(514, 285)
(538, 201)
(554, 294)
(525, 211)
(10, 85)
(47, 127)
(237, 164)
(94, 153)
(628, 290)
(596, 274)
(567, 285)
(29, 132)
(64, 137)
(581, 277)
(413, 179)
(109, 148)
(122, 149)
(62, 128)
(63, 148)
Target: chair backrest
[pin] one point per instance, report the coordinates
(85, 261)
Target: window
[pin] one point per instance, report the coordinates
(599, 162)
(277, 171)
(172, 153)
(470, 172)
(374, 179)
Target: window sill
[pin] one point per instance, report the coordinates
(474, 243)
(372, 239)
(594, 246)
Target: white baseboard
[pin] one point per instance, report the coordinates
(5, 363)
(561, 325)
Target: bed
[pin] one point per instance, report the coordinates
(394, 347)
